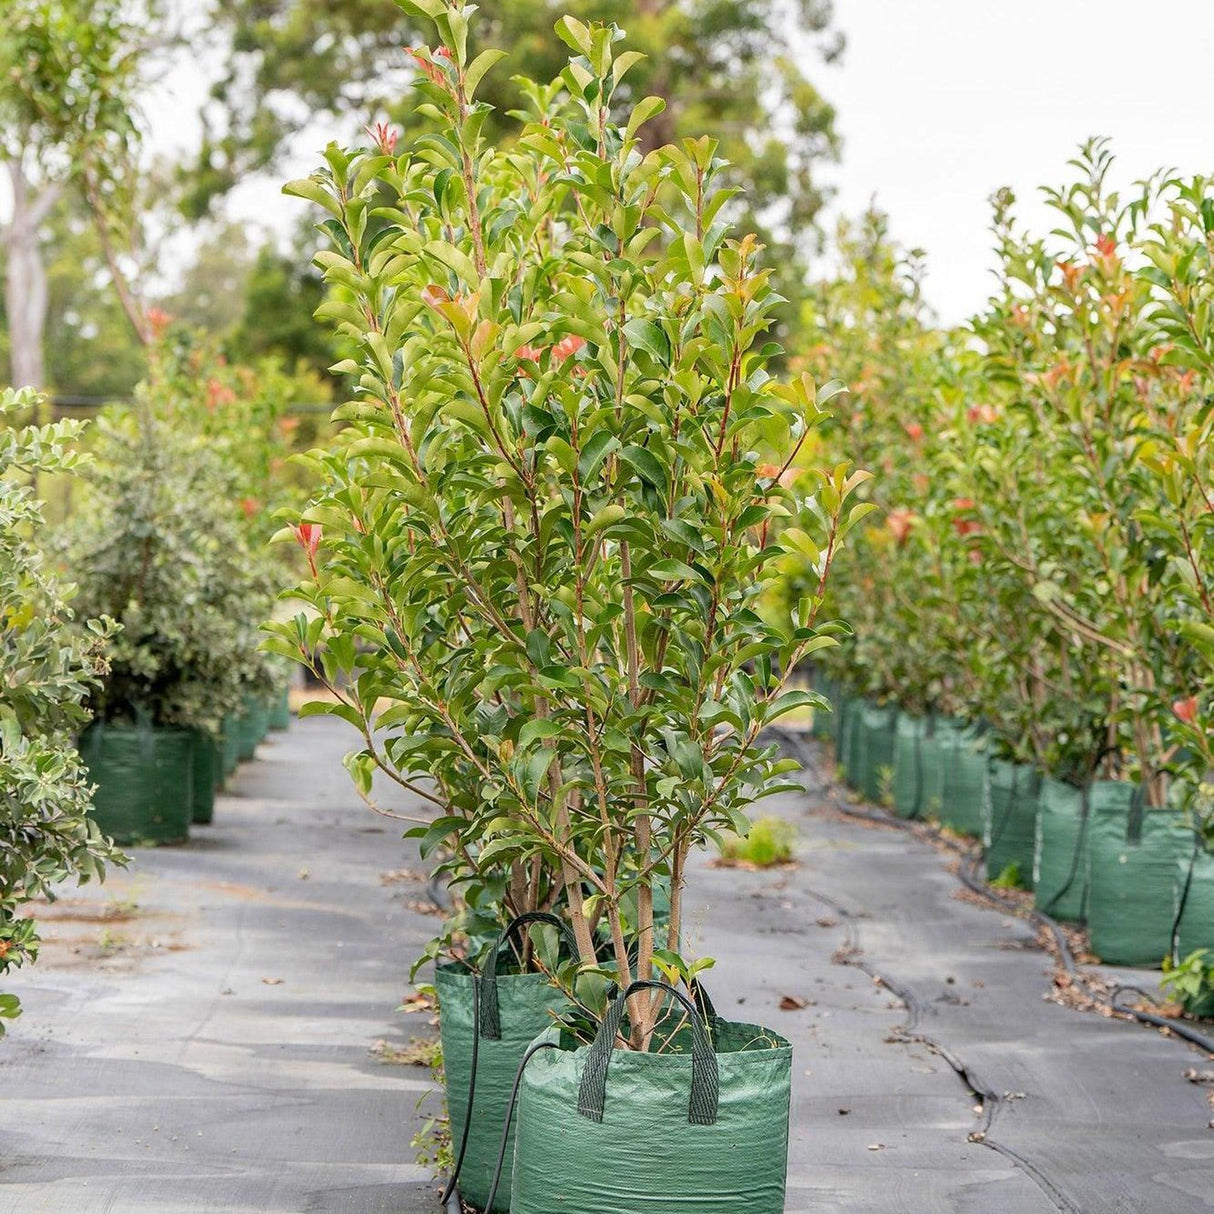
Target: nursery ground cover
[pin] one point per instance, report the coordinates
(130, 1051)
(231, 1067)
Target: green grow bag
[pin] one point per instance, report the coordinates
(513, 1009)
(838, 724)
(917, 771)
(823, 725)
(1060, 882)
(1009, 824)
(1132, 859)
(280, 710)
(962, 778)
(145, 781)
(1193, 913)
(853, 744)
(230, 744)
(208, 760)
(253, 724)
(603, 1131)
(878, 725)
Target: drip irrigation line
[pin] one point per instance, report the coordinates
(967, 873)
(991, 1100)
(532, 1050)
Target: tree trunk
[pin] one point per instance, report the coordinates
(25, 286)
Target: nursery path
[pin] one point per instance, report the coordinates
(201, 1031)
(1083, 1113)
(211, 1047)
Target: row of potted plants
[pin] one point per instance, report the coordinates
(1141, 881)
(1041, 563)
(155, 544)
(536, 557)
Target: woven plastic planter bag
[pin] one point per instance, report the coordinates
(230, 744)
(280, 710)
(918, 773)
(1133, 855)
(1009, 824)
(962, 778)
(254, 724)
(823, 725)
(487, 1021)
(207, 762)
(1060, 871)
(698, 1130)
(145, 781)
(878, 724)
(1194, 901)
(853, 744)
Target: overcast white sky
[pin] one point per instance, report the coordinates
(942, 101)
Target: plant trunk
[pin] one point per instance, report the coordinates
(25, 285)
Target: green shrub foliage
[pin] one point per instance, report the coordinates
(47, 669)
(1043, 563)
(159, 544)
(548, 523)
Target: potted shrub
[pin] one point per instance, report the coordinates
(47, 668)
(547, 527)
(156, 546)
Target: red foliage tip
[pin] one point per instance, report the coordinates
(423, 58)
(383, 136)
(567, 347)
(308, 535)
(1186, 709)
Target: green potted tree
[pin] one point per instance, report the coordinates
(545, 534)
(47, 669)
(156, 546)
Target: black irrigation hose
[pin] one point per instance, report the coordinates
(518, 1079)
(967, 874)
(476, 1039)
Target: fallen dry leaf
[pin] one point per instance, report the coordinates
(273, 981)
(793, 1003)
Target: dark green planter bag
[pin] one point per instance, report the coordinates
(1009, 823)
(917, 767)
(613, 1132)
(1133, 855)
(208, 760)
(853, 744)
(605, 1131)
(280, 710)
(824, 722)
(230, 744)
(145, 781)
(1060, 878)
(1194, 902)
(878, 726)
(487, 1022)
(253, 724)
(962, 778)
(839, 726)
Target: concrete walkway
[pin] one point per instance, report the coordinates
(201, 1033)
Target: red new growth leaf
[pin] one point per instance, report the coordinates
(1186, 709)
(567, 347)
(433, 295)
(383, 136)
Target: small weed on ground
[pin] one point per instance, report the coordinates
(769, 843)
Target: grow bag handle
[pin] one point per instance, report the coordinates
(490, 1018)
(705, 1078)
